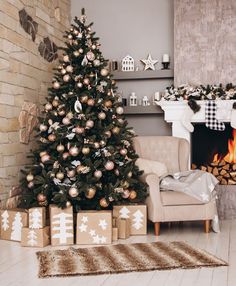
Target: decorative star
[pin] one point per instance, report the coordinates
(149, 63)
(92, 232)
(96, 239)
(84, 219)
(103, 224)
(103, 239)
(83, 227)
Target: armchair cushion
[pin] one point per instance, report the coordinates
(173, 198)
(150, 166)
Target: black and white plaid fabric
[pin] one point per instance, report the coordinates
(210, 116)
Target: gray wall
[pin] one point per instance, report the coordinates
(135, 27)
(205, 41)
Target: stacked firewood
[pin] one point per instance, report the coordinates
(225, 172)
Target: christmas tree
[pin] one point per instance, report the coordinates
(85, 155)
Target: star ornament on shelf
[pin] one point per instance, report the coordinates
(149, 63)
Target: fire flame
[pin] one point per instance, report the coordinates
(230, 157)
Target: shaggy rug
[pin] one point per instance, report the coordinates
(124, 258)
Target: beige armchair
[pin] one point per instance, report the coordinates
(168, 206)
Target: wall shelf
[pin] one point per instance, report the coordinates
(138, 110)
(135, 75)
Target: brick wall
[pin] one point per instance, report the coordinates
(24, 75)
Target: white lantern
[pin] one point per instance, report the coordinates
(145, 101)
(133, 99)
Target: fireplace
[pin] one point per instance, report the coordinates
(215, 152)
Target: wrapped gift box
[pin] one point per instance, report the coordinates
(137, 215)
(12, 221)
(123, 226)
(94, 227)
(61, 225)
(37, 217)
(35, 237)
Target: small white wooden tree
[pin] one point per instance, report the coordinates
(124, 212)
(137, 221)
(16, 227)
(35, 219)
(63, 224)
(5, 221)
(32, 238)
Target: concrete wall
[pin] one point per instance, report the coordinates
(205, 41)
(134, 27)
(24, 75)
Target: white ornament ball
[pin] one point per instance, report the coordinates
(109, 165)
(73, 192)
(86, 81)
(90, 56)
(96, 145)
(55, 102)
(93, 47)
(102, 143)
(90, 124)
(60, 148)
(98, 174)
(79, 130)
(63, 71)
(104, 72)
(102, 115)
(30, 177)
(79, 84)
(66, 77)
(43, 127)
(120, 110)
(96, 63)
(66, 59)
(45, 158)
(56, 84)
(123, 152)
(108, 133)
(76, 53)
(74, 151)
(31, 184)
(69, 68)
(66, 120)
(59, 175)
(70, 37)
(48, 106)
(81, 50)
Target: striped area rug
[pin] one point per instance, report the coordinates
(122, 258)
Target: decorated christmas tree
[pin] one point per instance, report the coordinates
(85, 155)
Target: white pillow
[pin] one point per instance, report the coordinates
(150, 166)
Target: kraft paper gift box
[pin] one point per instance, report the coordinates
(137, 215)
(12, 221)
(123, 225)
(94, 227)
(35, 237)
(61, 225)
(37, 217)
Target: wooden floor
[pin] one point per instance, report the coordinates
(19, 266)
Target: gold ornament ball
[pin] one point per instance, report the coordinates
(90, 193)
(52, 137)
(86, 81)
(76, 53)
(60, 148)
(45, 158)
(43, 127)
(84, 98)
(41, 197)
(96, 145)
(116, 130)
(69, 68)
(132, 195)
(66, 59)
(108, 133)
(56, 85)
(108, 103)
(102, 143)
(120, 110)
(66, 77)
(85, 150)
(125, 194)
(59, 175)
(74, 151)
(109, 165)
(63, 71)
(102, 115)
(71, 173)
(96, 63)
(129, 174)
(41, 154)
(55, 103)
(125, 184)
(29, 177)
(90, 124)
(103, 203)
(79, 168)
(66, 121)
(123, 152)
(98, 174)
(69, 115)
(104, 72)
(61, 112)
(73, 192)
(65, 155)
(79, 130)
(68, 204)
(48, 106)
(91, 102)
